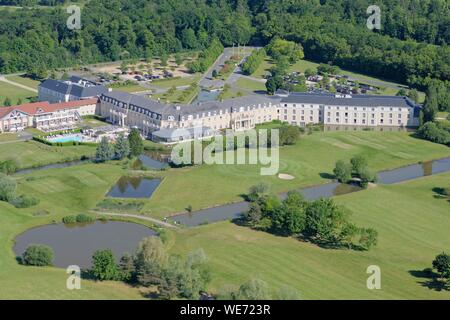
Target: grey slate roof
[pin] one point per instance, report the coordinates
(177, 111)
(166, 110)
(73, 87)
(355, 100)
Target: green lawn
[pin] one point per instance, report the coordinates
(131, 88)
(235, 253)
(7, 137)
(61, 194)
(234, 93)
(24, 81)
(250, 85)
(178, 96)
(32, 153)
(412, 226)
(177, 82)
(14, 93)
(313, 155)
(91, 122)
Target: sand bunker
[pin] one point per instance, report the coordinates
(284, 176)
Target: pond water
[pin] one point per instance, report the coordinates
(151, 162)
(233, 211)
(206, 95)
(134, 187)
(75, 245)
(414, 171)
(53, 166)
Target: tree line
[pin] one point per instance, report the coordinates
(253, 62)
(322, 221)
(151, 265)
(132, 146)
(412, 46)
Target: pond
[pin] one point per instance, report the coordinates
(134, 187)
(206, 95)
(75, 244)
(53, 166)
(151, 162)
(414, 171)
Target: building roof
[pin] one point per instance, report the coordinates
(178, 110)
(44, 107)
(75, 103)
(349, 100)
(75, 86)
(28, 108)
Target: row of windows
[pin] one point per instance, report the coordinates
(363, 121)
(399, 115)
(338, 108)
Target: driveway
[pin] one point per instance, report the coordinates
(2, 78)
(208, 81)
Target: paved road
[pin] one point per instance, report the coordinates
(207, 79)
(2, 78)
(22, 136)
(125, 215)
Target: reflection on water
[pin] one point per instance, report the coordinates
(134, 187)
(53, 166)
(328, 190)
(75, 244)
(414, 171)
(427, 168)
(154, 161)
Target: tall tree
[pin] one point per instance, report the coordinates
(342, 171)
(104, 265)
(121, 147)
(104, 151)
(430, 107)
(136, 143)
(442, 264)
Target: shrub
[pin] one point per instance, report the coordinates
(104, 266)
(24, 201)
(434, 132)
(38, 255)
(367, 176)
(8, 167)
(83, 218)
(7, 188)
(342, 171)
(69, 219)
(254, 61)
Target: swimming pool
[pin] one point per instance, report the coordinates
(68, 138)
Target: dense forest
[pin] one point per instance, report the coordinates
(411, 47)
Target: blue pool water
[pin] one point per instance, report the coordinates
(70, 138)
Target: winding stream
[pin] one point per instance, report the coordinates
(233, 211)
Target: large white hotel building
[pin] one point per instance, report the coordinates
(159, 121)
